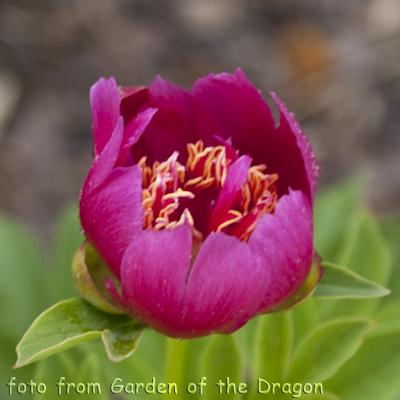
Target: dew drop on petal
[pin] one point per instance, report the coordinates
(303, 210)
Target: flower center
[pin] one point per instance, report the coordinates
(174, 194)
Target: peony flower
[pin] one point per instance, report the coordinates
(201, 208)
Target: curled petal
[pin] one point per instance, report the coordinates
(104, 163)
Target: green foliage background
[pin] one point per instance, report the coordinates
(349, 345)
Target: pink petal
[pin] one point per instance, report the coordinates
(105, 103)
(285, 243)
(224, 286)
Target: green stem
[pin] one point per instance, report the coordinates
(174, 365)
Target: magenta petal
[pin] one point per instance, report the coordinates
(285, 243)
(105, 103)
(112, 215)
(224, 286)
(153, 275)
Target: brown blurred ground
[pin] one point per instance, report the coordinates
(336, 63)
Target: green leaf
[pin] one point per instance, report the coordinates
(65, 325)
(365, 250)
(327, 348)
(121, 343)
(366, 253)
(391, 232)
(222, 364)
(273, 348)
(332, 211)
(388, 318)
(373, 373)
(341, 283)
(304, 319)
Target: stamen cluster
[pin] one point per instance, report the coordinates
(169, 189)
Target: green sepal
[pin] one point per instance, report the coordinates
(341, 283)
(89, 272)
(68, 324)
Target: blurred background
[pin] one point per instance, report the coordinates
(335, 63)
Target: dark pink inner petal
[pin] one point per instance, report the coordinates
(285, 243)
(132, 133)
(132, 101)
(238, 108)
(180, 119)
(105, 103)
